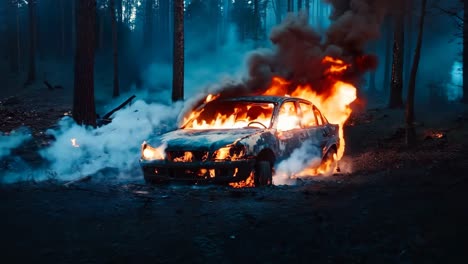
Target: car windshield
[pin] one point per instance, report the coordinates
(232, 114)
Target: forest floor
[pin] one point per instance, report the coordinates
(390, 204)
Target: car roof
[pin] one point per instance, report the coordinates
(262, 98)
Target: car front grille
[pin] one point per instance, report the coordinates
(187, 156)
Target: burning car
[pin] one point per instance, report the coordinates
(234, 140)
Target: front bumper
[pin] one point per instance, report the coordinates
(206, 171)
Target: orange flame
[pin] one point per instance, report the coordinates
(249, 182)
(74, 143)
(334, 105)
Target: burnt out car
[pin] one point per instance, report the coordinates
(230, 140)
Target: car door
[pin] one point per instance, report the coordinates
(325, 130)
(288, 129)
(313, 125)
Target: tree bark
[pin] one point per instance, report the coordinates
(84, 110)
(178, 59)
(290, 6)
(299, 5)
(388, 41)
(410, 133)
(148, 26)
(12, 39)
(307, 7)
(19, 54)
(73, 25)
(465, 53)
(256, 21)
(62, 28)
(115, 50)
(396, 97)
(119, 11)
(32, 42)
(278, 9)
(409, 39)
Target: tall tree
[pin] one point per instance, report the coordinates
(84, 110)
(465, 52)
(396, 92)
(148, 26)
(410, 133)
(13, 35)
(299, 5)
(32, 42)
(115, 50)
(307, 7)
(62, 28)
(256, 19)
(278, 8)
(388, 45)
(290, 6)
(178, 59)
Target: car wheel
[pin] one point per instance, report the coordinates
(263, 173)
(329, 163)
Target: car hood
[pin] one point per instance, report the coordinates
(209, 139)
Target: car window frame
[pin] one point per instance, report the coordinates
(298, 113)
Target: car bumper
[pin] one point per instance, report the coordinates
(208, 171)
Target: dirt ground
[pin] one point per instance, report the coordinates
(389, 204)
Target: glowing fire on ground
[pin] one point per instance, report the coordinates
(249, 182)
(74, 144)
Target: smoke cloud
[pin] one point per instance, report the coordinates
(13, 140)
(308, 155)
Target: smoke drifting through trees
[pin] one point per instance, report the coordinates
(299, 49)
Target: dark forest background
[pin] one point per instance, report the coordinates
(131, 45)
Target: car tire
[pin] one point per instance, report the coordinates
(263, 173)
(327, 158)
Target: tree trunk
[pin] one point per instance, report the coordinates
(84, 110)
(307, 7)
(62, 28)
(32, 42)
(388, 41)
(18, 39)
(148, 26)
(290, 6)
(372, 87)
(410, 133)
(73, 27)
(12, 39)
(119, 11)
(115, 53)
(409, 40)
(178, 60)
(396, 97)
(465, 53)
(256, 21)
(278, 9)
(299, 5)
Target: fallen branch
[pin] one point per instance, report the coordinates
(122, 105)
(82, 179)
(50, 87)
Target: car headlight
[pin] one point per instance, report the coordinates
(150, 153)
(230, 152)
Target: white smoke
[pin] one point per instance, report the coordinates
(115, 145)
(307, 156)
(13, 140)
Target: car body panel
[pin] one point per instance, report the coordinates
(203, 145)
